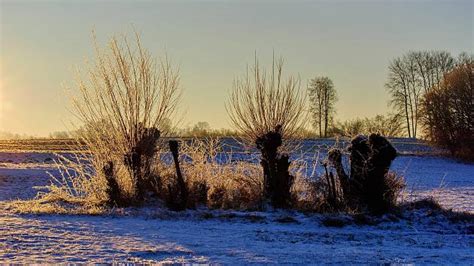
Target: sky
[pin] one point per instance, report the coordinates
(212, 42)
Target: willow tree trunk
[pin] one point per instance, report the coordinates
(277, 179)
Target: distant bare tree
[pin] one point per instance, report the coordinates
(200, 129)
(4, 135)
(431, 66)
(399, 90)
(464, 58)
(410, 77)
(323, 97)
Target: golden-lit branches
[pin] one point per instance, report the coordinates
(260, 101)
(127, 90)
(123, 101)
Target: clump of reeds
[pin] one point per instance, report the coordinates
(267, 110)
(309, 193)
(217, 179)
(74, 188)
(316, 188)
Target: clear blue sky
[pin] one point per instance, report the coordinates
(352, 42)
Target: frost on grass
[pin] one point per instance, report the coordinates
(74, 188)
(213, 179)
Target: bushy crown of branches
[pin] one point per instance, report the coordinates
(127, 91)
(261, 101)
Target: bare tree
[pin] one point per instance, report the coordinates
(410, 77)
(397, 86)
(268, 109)
(259, 102)
(323, 97)
(431, 66)
(123, 103)
(415, 90)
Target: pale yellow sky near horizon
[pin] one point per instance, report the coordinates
(212, 42)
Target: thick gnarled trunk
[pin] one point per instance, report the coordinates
(370, 160)
(277, 179)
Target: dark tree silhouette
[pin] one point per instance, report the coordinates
(177, 192)
(277, 179)
(323, 97)
(369, 184)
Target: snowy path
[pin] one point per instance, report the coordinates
(52, 238)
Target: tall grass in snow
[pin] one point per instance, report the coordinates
(216, 178)
(74, 188)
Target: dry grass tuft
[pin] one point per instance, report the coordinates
(395, 185)
(229, 183)
(75, 188)
(55, 207)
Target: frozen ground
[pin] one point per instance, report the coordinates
(233, 237)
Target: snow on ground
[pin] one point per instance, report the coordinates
(446, 180)
(232, 237)
(98, 239)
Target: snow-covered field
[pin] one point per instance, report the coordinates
(203, 236)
